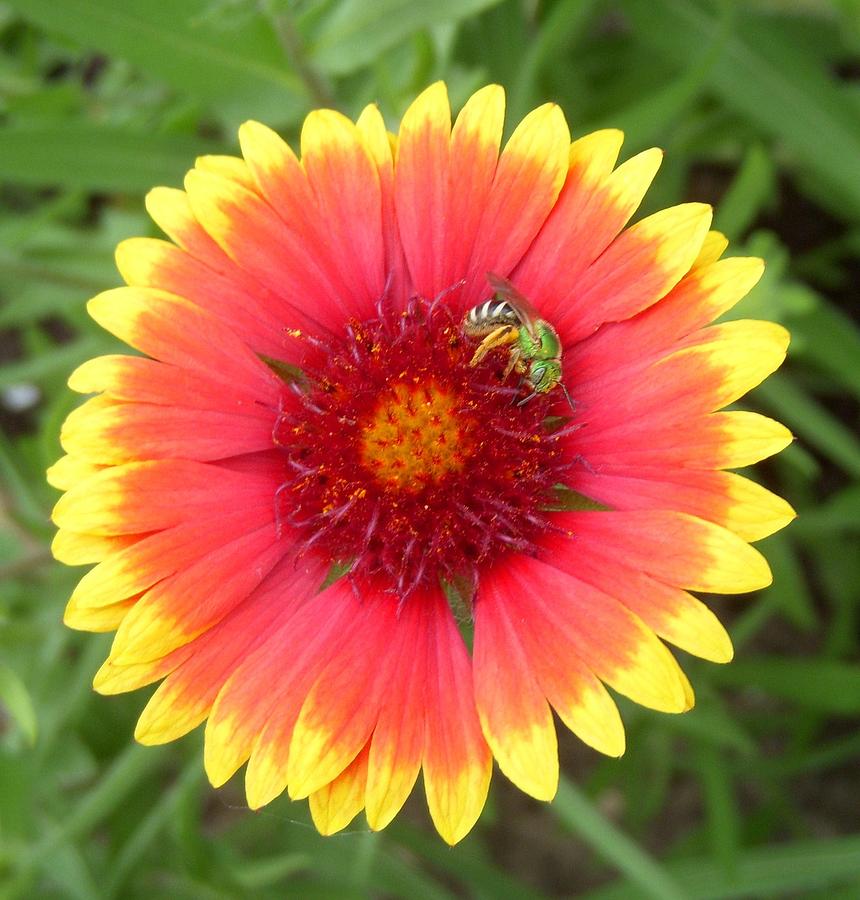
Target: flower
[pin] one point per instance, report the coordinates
(318, 473)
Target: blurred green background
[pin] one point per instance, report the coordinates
(753, 794)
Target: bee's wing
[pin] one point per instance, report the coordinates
(527, 313)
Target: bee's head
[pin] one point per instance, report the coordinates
(544, 375)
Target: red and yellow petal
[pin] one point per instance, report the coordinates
(422, 188)
(141, 380)
(184, 605)
(594, 205)
(134, 568)
(98, 619)
(141, 497)
(257, 707)
(341, 709)
(109, 433)
(515, 716)
(553, 665)
(264, 246)
(597, 629)
(635, 271)
(345, 181)
(171, 211)
(713, 247)
(76, 549)
(719, 440)
(337, 803)
(528, 179)
(172, 330)
(187, 695)
(749, 510)
(69, 471)
(380, 146)
(701, 296)
(253, 313)
(397, 745)
(231, 167)
(475, 140)
(670, 612)
(457, 761)
(718, 365)
(673, 547)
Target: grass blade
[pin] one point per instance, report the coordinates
(579, 814)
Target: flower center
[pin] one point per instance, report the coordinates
(414, 436)
(407, 466)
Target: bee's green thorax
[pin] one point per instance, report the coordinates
(545, 345)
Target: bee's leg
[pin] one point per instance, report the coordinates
(505, 334)
(515, 362)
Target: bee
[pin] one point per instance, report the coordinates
(507, 319)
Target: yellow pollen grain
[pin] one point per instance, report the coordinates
(415, 436)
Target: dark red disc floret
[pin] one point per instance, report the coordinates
(407, 466)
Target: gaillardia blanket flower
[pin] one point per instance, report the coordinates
(346, 442)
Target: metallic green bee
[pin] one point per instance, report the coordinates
(507, 319)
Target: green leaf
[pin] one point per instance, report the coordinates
(233, 61)
(818, 684)
(133, 766)
(721, 807)
(480, 877)
(567, 500)
(709, 723)
(749, 192)
(840, 513)
(820, 429)
(790, 591)
(287, 372)
(95, 157)
(766, 78)
(263, 873)
(787, 869)
(581, 816)
(356, 32)
(149, 829)
(42, 366)
(564, 25)
(16, 699)
(830, 339)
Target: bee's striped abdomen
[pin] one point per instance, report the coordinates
(489, 315)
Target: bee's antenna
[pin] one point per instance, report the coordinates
(567, 397)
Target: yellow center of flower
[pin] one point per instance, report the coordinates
(415, 436)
